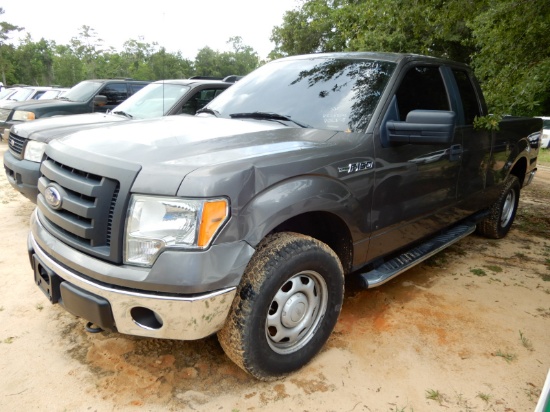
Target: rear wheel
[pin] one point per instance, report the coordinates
(286, 306)
(503, 211)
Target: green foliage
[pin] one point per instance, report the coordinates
(242, 60)
(490, 122)
(513, 55)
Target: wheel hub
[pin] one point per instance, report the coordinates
(294, 310)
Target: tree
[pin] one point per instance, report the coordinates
(35, 62)
(6, 50)
(68, 68)
(313, 28)
(87, 46)
(513, 57)
(170, 66)
(432, 27)
(242, 60)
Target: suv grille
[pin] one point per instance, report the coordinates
(16, 144)
(86, 217)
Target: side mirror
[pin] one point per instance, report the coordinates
(423, 127)
(100, 100)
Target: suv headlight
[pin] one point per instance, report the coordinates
(34, 151)
(156, 223)
(23, 116)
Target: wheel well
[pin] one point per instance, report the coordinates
(519, 170)
(325, 227)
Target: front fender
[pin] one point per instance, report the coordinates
(296, 196)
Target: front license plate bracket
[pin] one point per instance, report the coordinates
(46, 280)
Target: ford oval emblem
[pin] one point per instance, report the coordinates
(53, 197)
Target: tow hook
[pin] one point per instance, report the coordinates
(93, 329)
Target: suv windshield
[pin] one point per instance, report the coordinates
(154, 100)
(321, 92)
(21, 95)
(83, 91)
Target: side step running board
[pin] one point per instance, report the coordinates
(390, 269)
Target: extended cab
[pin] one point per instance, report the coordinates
(99, 95)
(27, 141)
(245, 219)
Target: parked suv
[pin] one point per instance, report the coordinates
(545, 140)
(87, 96)
(27, 141)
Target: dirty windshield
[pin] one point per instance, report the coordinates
(82, 91)
(154, 100)
(323, 93)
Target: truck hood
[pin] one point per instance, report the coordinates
(47, 129)
(28, 104)
(37, 105)
(174, 146)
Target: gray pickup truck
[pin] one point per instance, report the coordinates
(244, 219)
(27, 140)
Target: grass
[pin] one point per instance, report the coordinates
(525, 342)
(544, 157)
(508, 357)
(478, 272)
(484, 397)
(494, 268)
(435, 395)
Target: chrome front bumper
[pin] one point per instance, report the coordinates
(144, 313)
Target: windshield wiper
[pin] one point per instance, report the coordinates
(210, 111)
(267, 116)
(128, 115)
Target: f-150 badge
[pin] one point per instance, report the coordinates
(356, 167)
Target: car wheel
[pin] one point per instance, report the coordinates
(503, 212)
(286, 306)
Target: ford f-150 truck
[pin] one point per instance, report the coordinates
(27, 140)
(244, 219)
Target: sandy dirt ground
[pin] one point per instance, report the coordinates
(467, 330)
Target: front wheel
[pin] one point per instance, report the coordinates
(503, 212)
(286, 306)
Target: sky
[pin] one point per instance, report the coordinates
(185, 26)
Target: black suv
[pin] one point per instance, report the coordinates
(87, 96)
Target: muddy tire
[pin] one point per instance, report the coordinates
(503, 211)
(286, 306)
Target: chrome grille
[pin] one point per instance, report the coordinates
(85, 217)
(16, 144)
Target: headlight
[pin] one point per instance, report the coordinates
(23, 116)
(34, 151)
(155, 223)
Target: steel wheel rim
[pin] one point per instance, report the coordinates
(508, 208)
(296, 311)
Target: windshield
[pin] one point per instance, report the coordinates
(546, 124)
(324, 93)
(83, 91)
(50, 94)
(154, 100)
(21, 95)
(6, 92)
